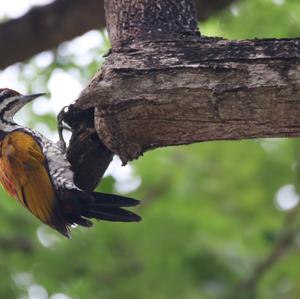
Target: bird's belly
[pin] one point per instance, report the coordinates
(59, 167)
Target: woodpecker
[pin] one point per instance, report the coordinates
(36, 172)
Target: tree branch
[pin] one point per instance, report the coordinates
(88, 155)
(169, 92)
(162, 89)
(43, 28)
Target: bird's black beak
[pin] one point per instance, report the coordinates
(28, 98)
(18, 102)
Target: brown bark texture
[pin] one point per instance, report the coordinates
(128, 21)
(160, 93)
(171, 89)
(44, 28)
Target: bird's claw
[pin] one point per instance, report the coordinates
(60, 127)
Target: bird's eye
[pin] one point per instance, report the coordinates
(7, 93)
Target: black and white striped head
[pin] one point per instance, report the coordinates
(11, 102)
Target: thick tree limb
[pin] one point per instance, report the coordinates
(46, 27)
(171, 92)
(159, 89)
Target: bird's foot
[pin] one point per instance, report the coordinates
(60, 127)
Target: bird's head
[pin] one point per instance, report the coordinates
(11, 102)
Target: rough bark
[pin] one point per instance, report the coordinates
(88, 155)
(128, 21)
(43, 28)
(163, 89)
(161, 93)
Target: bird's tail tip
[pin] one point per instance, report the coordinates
(110, 207)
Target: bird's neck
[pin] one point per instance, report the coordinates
(7, 126)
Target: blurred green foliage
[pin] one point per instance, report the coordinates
(209, 212)
(256, 19)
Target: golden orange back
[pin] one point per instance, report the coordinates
(24, 175)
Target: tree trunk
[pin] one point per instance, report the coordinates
(36, 31)
(129, 21)
(163, 84)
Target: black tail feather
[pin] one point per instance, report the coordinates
(113, 200)
(109, 207)
(112, 214)
(79, 220)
